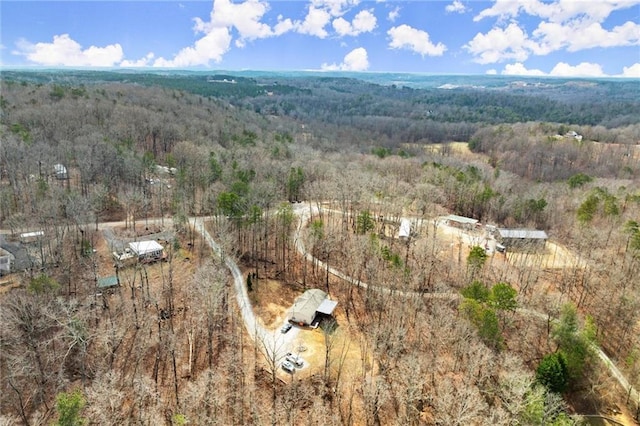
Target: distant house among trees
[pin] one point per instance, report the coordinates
(6, 259)
(18, 255)
(60, 171)
(405, 229)
(31, 237)
(530, 240)
(311, 303)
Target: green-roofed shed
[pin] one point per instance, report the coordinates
(108, 282)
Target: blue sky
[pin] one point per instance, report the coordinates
(513, 37)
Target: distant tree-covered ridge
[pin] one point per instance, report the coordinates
(398, 113)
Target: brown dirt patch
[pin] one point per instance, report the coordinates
(272, 300)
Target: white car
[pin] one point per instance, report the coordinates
(294, 359)
(288, 367)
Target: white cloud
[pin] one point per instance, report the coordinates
(562, 69)
(566, 25)
(632, 71)
(501, 44)
(584, 69)
(211, 47)
(321, 13)
(519, 69)
(64, 51)
(406, 37)
(394, 14)
(555, 11)
(456, 7)
(142, 62)
(576, 36)
(334, 7)
(245, 17)
(283, 26)
(356, 60)
(314, 23)
(364, 22)
(491, 72)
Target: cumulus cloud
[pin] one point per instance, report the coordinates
(142, 62)
(418, 41)
(64, 51)
(576, 36)
(500, 44)
(456, 7)
(283, 26)
(584, 69)
(555, 11)
(565, 25)
(519, 69)
(364, 22)
(356, 60)
(211, 47)
(562, 69)
(335, 7)
(491, 72)
(245, 17)
(314, 23)
(215, 42)
(394, 14)
(632, 71)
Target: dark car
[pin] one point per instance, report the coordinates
(286, 328)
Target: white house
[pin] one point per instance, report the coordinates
(147, 250)
(60, 171)
(405, 228)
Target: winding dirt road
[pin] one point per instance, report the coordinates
(305, 211)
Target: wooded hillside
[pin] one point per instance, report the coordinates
(304, 183)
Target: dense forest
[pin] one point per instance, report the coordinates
(303, 181)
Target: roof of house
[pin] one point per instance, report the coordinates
(327, 306)
(21, 260)
(305, 307)
(461, 219)
(143, 247)
(405, 228)
(108, 282)
(530, 234)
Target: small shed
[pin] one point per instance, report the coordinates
(31, 237)
(460, 221)
(147, 250)
(6, 259)
(60, 171)
(311, 303)
(405, 229)
(106, 283)
(529, 240)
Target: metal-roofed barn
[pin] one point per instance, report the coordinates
(522, 239)
(309, 305)
(460, 221)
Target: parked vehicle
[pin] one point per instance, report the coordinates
(288, 367)
(294, 359)
(286, 328)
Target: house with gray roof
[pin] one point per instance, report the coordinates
(311, 303)
(529, 240)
